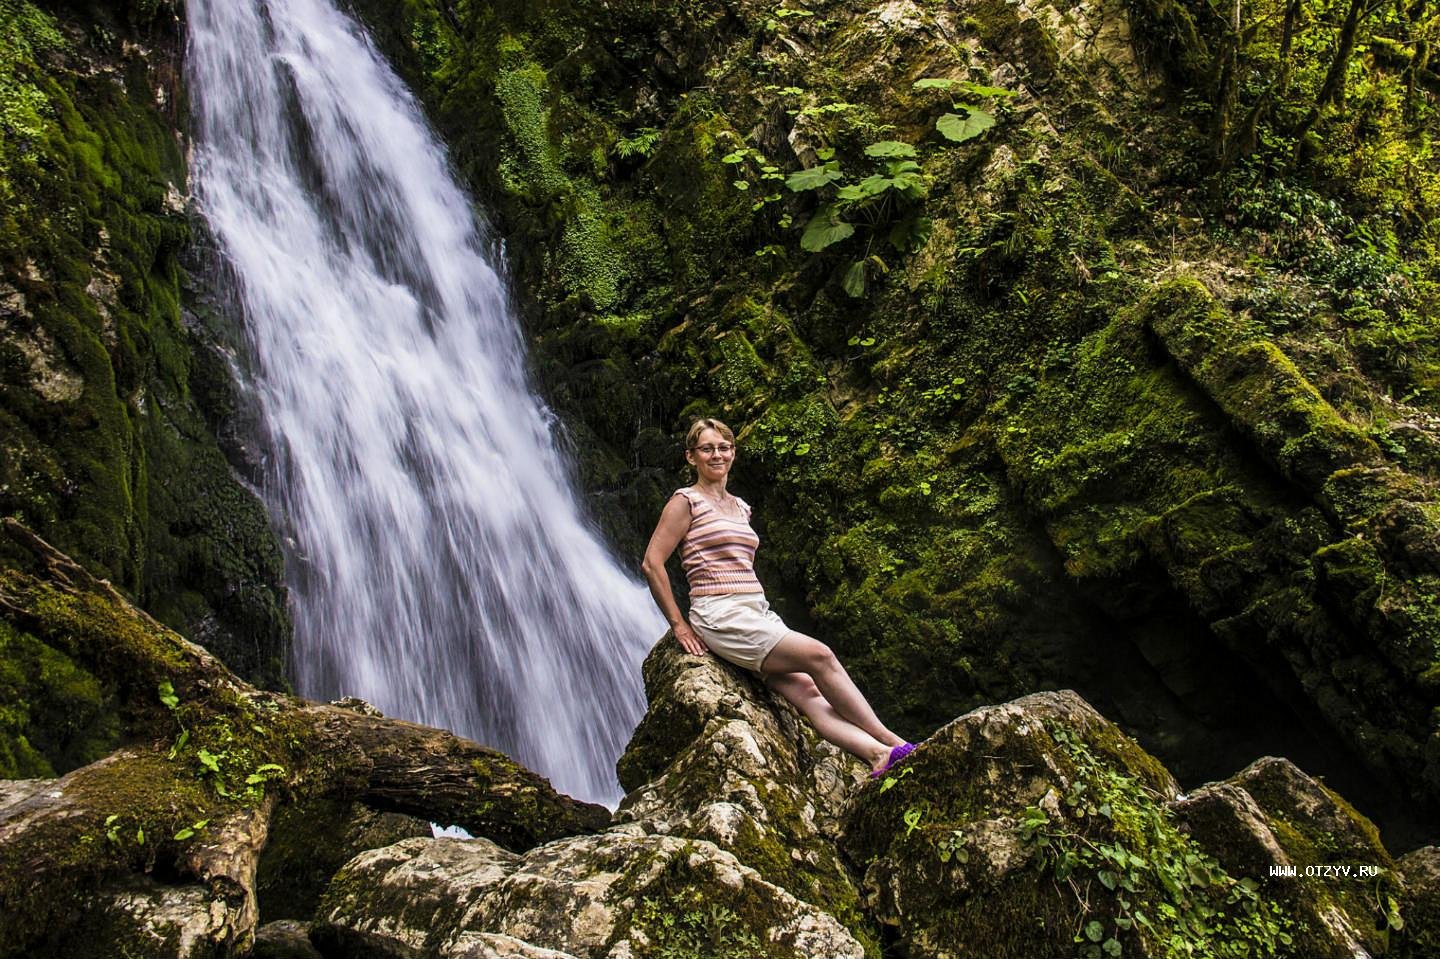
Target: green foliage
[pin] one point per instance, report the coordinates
(690, 928)
(223, 753)
(54, 716)
(958, 129)
(973, 121)
(825, 229)
(25, 111)
(642, 143)
(1143, 881)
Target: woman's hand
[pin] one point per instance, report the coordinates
(689, 640)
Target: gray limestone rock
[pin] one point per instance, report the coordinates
(733, 764)
(614, 895)
(284, 939)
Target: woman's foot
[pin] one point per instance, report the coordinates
(882, 763)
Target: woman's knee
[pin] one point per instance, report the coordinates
(820, 657)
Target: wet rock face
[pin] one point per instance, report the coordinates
(615, 894)
(112, 397)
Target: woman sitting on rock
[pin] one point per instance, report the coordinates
(729, 612)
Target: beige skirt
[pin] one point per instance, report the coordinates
(738, 627)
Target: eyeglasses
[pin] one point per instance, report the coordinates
(708, 449)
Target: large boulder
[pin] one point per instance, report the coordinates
(720, 758)
(1017, 828)
(1306, 849)
(308, 844)
(619, 894)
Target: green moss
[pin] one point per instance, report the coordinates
(100, 426)
(54, 716)
(127, 827)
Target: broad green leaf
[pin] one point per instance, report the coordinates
(824, 229)
(954, 127)
(855, 279)
(813, 178)
(208, 760)
(984, 91)
(934, 83)
(167, 695)
(1094, 930)
(890, 148)
(735, 157)
(184, 834)
(740, 185)
(875, 185)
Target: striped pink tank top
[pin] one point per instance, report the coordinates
(717, 552)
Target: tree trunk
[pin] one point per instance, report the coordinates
(1332, 90)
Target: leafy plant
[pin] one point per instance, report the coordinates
(972, 121)
(1161, 888)
(687, 929)
(642, 143)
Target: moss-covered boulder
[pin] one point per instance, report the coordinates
(1307, 850)
(1018, 828)
(615, 894)
(725, 761)
(162, 838)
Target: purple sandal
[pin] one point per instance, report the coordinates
(896, 754)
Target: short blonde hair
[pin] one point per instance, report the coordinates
(701, 425)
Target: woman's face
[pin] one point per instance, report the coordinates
(709, 459)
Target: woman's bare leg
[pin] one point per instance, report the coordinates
(798, 653)
(805, 696)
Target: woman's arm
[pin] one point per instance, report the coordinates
(674, 521)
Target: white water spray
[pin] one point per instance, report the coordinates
(439, 564)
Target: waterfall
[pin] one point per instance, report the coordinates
(439, 563)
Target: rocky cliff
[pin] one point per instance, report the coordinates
(115, 371)
(1071, 345)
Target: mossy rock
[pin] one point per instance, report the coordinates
(1019, 826)
(727, 762)
(105, 448)
(590, 896)
(308, 842)
(1305, 847)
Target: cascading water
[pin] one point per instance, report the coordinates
(439, 563)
